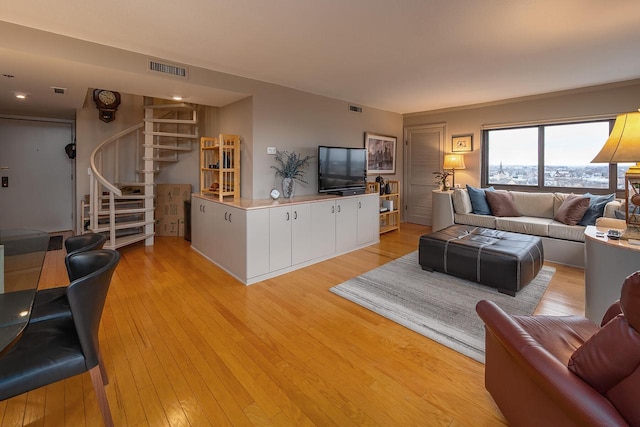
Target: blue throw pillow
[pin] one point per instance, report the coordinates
(479, 203)
(596, 208)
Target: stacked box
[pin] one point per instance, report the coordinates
(169, 214)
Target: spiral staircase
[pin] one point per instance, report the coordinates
(123, 169)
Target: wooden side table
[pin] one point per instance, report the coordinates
(607, 263)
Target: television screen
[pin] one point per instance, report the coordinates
(341, 168)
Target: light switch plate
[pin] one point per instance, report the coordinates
(271, 150)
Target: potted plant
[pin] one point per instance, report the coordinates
(290, 166)
(442, 179)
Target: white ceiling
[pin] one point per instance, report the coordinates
(397, 55)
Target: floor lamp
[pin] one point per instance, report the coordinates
(623, 146)
(453, 162)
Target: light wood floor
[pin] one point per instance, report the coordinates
(186, 345)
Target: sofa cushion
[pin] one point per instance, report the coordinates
(501, 203)
(609, 362)
(486, 221)
(596, 208)
(461, 201)
(572, 209)
(558, 230)
(534, 204)
(525, 225)
(479, 200)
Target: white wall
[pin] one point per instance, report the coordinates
(292, 120)
(602, 100)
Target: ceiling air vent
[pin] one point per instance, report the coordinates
(355, 108)
(59, 90)
(169, 69)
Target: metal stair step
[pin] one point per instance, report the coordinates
(167, 147)
(172, 135)
(161, 159)
(127, 240)
(127, 211)
(121, 225)
(173, 121)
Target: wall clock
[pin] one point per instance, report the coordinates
(107, 102)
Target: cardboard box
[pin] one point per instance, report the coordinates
(169, 213)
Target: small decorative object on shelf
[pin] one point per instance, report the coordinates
(442, 179)
(290, 168)
(220, 166)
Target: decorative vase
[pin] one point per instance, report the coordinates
(287, 187)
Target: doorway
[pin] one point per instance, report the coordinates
(37, 174)
(423, 156)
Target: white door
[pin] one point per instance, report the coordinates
(422, 157)
(300, 233)
(279, 238)
(346, 224)
(323, 228)
(368, 219)
(39, 175)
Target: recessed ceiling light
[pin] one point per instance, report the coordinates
(21, 96)
(177, 98)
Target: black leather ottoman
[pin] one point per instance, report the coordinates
(506, 261)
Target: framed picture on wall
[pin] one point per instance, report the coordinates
(381, 153)
(461, 143)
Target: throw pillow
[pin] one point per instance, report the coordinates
(596, 208)
(479, 200)
(608, 362)
(501, 203)
(461, 201)
(572, 209)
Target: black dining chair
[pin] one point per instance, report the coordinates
(52, 302)
(62, 347)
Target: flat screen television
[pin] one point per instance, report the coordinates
(341, 169)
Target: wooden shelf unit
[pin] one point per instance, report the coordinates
(389, 220)
(220, 166)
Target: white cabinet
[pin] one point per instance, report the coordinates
(323, 228)
(234, 238)
(368, 220)
(257, 242)
(290, 236)
(202, 222)
(346, 224)
(343, 224)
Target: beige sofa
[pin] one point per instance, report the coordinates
(562, 243)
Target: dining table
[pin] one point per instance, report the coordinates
(22, 254)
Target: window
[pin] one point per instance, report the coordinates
(550, 156)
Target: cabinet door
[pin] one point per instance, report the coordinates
(368, 223)
(300, 233)
(203, 227)
(235, 242)
(279, 238)
(257, 242)
(323, 228)
(346, 224)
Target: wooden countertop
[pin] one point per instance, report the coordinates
(590, 233)
(248, 204)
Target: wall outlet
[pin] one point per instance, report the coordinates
(271, 150)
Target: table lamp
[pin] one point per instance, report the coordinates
(623, 146)
(453, 162)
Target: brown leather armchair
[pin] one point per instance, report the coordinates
(565, 370)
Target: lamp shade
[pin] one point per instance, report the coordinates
(623, 145)
(453, 161)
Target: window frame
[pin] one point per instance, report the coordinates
(540, 187)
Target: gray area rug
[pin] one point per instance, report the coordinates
(436, 305)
